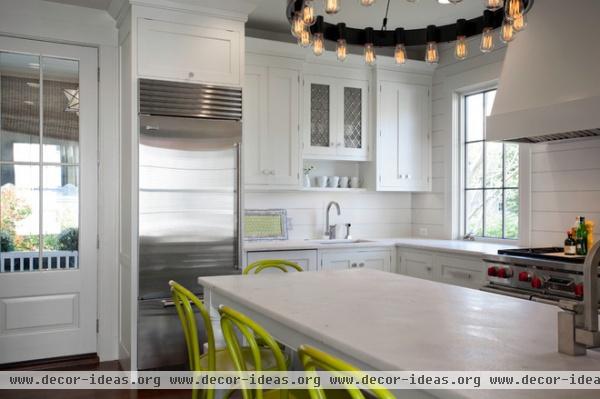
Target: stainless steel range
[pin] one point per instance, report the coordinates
(538, 274)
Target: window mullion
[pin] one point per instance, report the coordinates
(41, 168)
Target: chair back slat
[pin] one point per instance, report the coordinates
(313, 359)
(263, 264)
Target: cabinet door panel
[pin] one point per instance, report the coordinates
(404, 148)
(319, 115)
(417, 264)
(377, 260)
(283, 138)
(337, 260)
(189, 53)
(255, 125)
(353, 133)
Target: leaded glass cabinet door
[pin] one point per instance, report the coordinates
(319, 116)
(352, 135)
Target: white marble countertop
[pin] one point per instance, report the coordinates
(456, 246)
(395, 322)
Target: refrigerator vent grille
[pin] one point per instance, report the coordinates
(190, 100)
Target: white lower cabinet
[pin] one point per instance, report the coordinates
(378, 259)
(307, 259)
(463, 270)
(334, 259)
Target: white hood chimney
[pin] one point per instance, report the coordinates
(550, 83)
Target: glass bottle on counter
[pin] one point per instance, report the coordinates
(581, 237)
(570, 244)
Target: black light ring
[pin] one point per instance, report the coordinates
(413, 37)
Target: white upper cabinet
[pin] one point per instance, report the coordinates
(270, 127)
(209, 52)
(403, 137)
(335, 118)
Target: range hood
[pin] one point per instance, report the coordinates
(550, 83)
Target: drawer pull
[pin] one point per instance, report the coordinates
(462, 275)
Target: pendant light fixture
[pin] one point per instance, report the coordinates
(400, 50)
(342, 48)
(432, 55)
(513, 9)
(519, 23)
(369, 50)
(487, 36)
(318, 40)
(493, 5)
(461, 49)
(308, 13)
(506, 16)
(507, 32)
(332, 6)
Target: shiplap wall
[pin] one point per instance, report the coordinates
(565, 183)
(371, 214)
(564, 177)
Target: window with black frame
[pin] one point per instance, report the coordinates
(490, 185)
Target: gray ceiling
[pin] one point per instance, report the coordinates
(270, 14)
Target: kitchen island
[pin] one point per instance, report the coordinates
(384, 321)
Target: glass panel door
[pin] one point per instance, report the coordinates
(39, 163)
(320, 134)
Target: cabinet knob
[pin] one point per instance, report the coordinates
(272, 172)
(264, 172)
(353, 265)
(407, 176)
(331, 144)
(361, 264)
(190, 75)
(338, 144)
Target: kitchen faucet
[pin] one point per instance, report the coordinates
(578, 323)
(330, 230)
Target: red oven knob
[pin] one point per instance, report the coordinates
(524, 276)
(492, 271)
(579, 290)
(536, 282)
(505, 272)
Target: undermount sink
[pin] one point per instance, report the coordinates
(339, 241)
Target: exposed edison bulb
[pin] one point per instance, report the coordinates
(493, 5)
(487, 40)
(305, 38)
(400, 53)
(367, 3)
(507, 33)
(332, 6)
(308, 13)
(432, 56)
(514, 8)
(519, 23)
(461, 50)
(318, 44)
(369, 54)
(297, 25)
(341, 50)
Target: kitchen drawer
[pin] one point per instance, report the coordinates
(417, 264)
(307, 259)
(461, 276)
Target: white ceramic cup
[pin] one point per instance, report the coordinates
(334, 181)
(322, 181)
(354, 182)
(344, 180)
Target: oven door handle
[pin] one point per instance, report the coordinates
(499, 291)
(547, 301)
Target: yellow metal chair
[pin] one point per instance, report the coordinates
(214, 359)
(232, 323)
(313, 359)
(281, 264)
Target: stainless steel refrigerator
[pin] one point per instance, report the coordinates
(189, 203)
